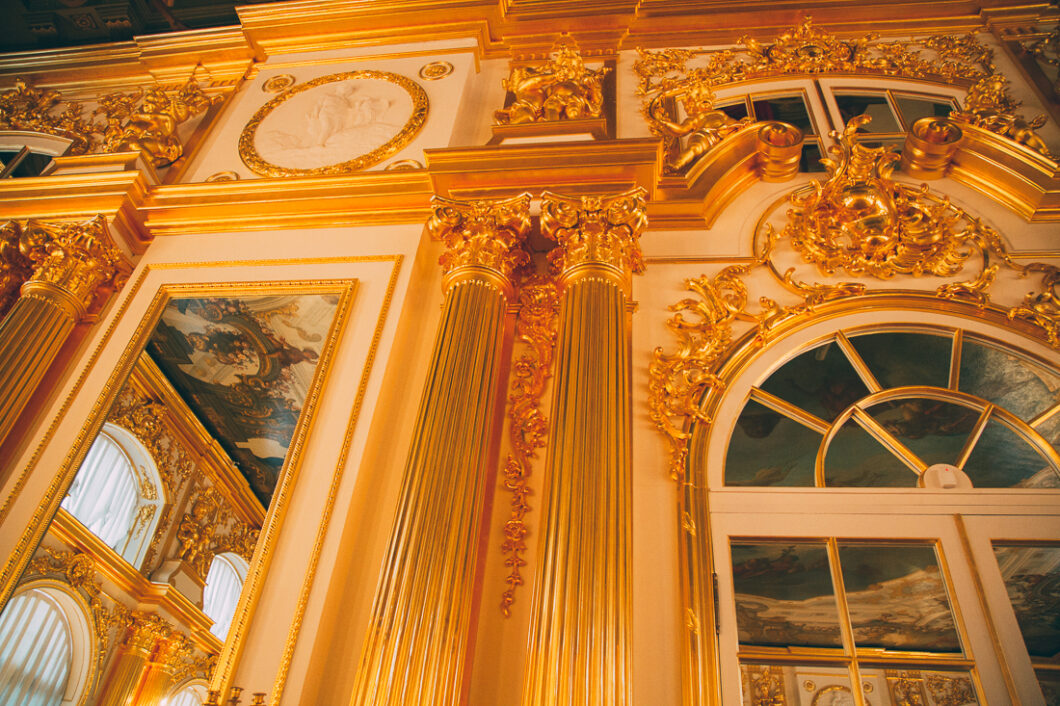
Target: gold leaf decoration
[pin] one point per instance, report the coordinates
(561, 88)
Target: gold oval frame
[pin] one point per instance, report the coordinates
(420, 107)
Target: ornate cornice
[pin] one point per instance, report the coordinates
(595, 233)
(527, 425)
(481, 236)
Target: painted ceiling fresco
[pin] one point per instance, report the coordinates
(244, 366)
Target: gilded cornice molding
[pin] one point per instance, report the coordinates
(595, 234)
(990, 106)
(76, 259)
(481, 237)
(535, 327)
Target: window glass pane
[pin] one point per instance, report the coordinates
(35, 651)
(897, 599)
(32, 165)
(1050, 430)
(856, 459)
(811, 158)
(1032, 578)
(784, 595)
(767, 448)
(820, 381)
(736, 111)
(898, 359)
(768, 684)
(914, 109)
(789, 109)
(1021, 387)
(1049, 681)
(873, 105)
(933, 430)
(1003, 459)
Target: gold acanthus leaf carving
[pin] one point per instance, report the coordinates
(864, 223)
(527, 425)
(989, 105)
(949, 691)
(146, 419)
(79, 258)
(766, 684)
(1042, 308)
(146, 119)
(482, 234)
(595, 230)
(14, 267)
(560, 88)
(678, 381)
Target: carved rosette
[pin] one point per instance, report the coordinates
(76, 259)
(481, 238)
(595, 234)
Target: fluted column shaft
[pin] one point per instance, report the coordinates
(67, 265)
(131, 662)
(416, 651)
(581, 621)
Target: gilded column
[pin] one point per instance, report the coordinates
(132, 659)
(581, 616)
(66, 264)
(419, 639)
(169, 657)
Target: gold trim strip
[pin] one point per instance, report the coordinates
(955, 360)
(858, 363)
(869, 424)
(1044, 416)
(973, 437)
(797, 414)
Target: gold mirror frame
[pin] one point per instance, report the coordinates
(276, 512)
(248, 152)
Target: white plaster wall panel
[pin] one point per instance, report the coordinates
(332, 109)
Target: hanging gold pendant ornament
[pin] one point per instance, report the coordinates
(334, 124)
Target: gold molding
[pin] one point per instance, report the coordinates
(248, 151)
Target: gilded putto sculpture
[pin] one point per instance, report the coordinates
(561, 88)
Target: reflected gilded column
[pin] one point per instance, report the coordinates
(63, 266)
(416, 650)
(132, 659)
(581, 619)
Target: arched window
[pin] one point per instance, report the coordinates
(45, 655)
(224, 582)
(117, 493)
(192, 694)
(884, 516)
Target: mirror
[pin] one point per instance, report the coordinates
(153, 559)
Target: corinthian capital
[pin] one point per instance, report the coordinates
(481, 235)
(595, 232)
(77, 258)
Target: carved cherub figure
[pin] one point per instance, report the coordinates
(988, 105)
(703, 125)
(561, 89)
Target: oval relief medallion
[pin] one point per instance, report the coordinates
(334, 124)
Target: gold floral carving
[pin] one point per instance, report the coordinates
(595, 230)
(990, 106)
(78, 258)
(1042, 308)
(14, 267)
(561, 88)
(950, 691)
(864, 223)
(146, 119)
(248, 152)
(765, 685)
(481, 234)
(527, 425)
(208, 529)
(907, 687)
(677, 84)
(145, 419)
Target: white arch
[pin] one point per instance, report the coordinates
(220, 596)
(188, 693)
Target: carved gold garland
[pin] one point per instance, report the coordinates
(248, 151)
(860, 221)
(145, 119)
(677, 84)
(527, 425)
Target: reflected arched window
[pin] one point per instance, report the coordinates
(117, 493)
(36, 651)
(187, 695)
(224, 582)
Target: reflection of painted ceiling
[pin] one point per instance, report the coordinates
(244, 367)
(1032, 577)
(895, 595)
